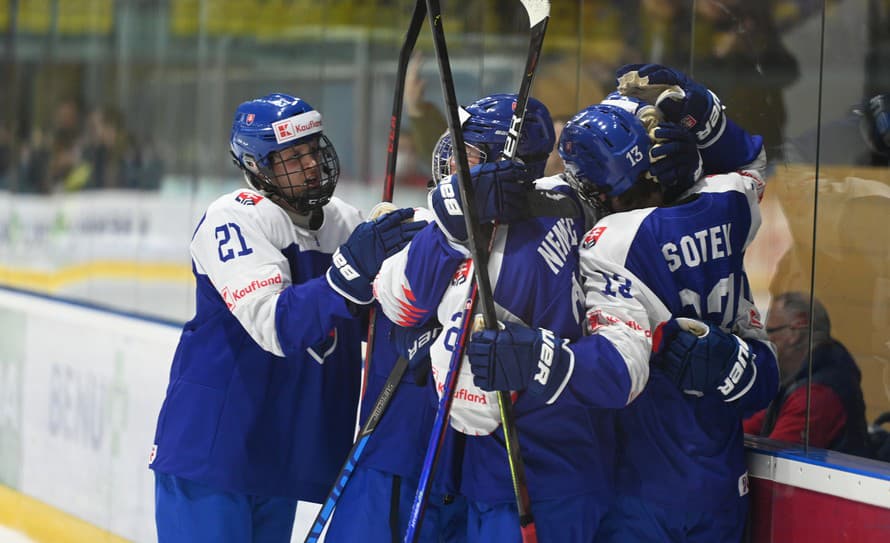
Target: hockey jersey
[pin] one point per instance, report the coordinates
(641, 268)
(265, 380)
(568, 449)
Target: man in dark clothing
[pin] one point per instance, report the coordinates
(837, 410)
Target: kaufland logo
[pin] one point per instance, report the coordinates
(462, 394)
(231, 296)
(298, 126)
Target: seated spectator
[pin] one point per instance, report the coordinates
(836, 417)
(52, 158)
(115, 157)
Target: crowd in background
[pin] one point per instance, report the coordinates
(79, 150)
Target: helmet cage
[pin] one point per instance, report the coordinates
(303, 188)
(266, 134)
(443, 153)
(484, 126)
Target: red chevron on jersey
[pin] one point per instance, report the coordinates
(409, 315)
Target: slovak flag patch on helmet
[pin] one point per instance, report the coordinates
(248, 198)
(592, 236)
(296, 127)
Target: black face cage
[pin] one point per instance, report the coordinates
(318, 181)
(442, 153)
(589, 193)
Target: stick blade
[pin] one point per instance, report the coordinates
(537, 10)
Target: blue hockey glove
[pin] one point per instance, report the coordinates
(675, 161)
(520, 358)
(356, 262)
(690, 104)
(413, 344)
(701, 359)
(500, 194)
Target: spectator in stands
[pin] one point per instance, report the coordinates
(426, 120)
(52, 160)
(845, 264)
(738, 47)
(115, 158)
(836, 418)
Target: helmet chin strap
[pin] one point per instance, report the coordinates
(311, 219)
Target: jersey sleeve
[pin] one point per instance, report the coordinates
(748, 325)
(239, 249)
(411, 283)
(612, 360)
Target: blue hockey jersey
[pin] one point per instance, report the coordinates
(641, 268)
(264, 384)
(568, 449)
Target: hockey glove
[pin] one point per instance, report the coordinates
(356, 262)
(675, 161)
(681, 99)
(702, 359)
(413, 344)
(500, 194)
(520, 358)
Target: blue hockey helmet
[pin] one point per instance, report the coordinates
(278, 143)
(606, 148)
(485, 124)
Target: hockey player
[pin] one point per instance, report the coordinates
(375, 505)
(260, 408)
(681, 472)
(568, 448)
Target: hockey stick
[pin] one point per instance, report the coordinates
(389, 390)
(440, 424)
(538, 13)
(398, 370)
(392, 149)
